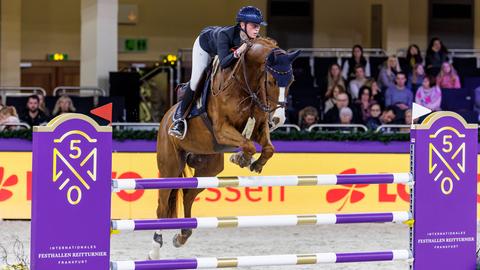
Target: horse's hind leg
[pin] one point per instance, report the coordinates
(211, 165)
(170, 164)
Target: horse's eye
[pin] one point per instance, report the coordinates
(271, 83)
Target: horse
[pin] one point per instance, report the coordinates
(242, 109)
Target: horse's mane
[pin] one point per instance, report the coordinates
(267, 42)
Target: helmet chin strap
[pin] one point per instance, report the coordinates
(245, 31)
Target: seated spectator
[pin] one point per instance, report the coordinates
(448, 78)
(349, 66)
(399, 95)
(346, 116)
(408, 121)
(8, 115)
(358, 82)
(333, 115)
(389, 70)
(308, 116)
(385, 118)
(32, 115)
(429, 94)
(364, 102)
(331, 95)
(64, 104)
(415, 79)
(334, 77)
(377, 93)
(437, 54)
(42, 106)
(414, 58)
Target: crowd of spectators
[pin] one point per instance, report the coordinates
(350, 95)
(34, 113)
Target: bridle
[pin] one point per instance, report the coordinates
(254, 95)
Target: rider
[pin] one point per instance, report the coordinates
(226, 42)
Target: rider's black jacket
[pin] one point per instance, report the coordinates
(221, 41)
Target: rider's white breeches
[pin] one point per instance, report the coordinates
(200, 61)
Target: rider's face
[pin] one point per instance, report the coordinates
(252, 29)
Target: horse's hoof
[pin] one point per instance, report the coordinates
(256, 167)
(177, 242)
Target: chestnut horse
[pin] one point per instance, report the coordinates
(255, 88)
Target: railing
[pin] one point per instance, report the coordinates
(344, 128)
(79, 91)
(13, 91)
(135, 126)
(287, 128)
(393, 129)
(337, 52)
(5, 126)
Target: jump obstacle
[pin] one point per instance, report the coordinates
(72, 185)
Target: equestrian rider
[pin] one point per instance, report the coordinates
(226, 42)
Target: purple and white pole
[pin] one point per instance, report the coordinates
(260, 181)
(269, 260)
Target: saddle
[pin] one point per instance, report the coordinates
(199, 107)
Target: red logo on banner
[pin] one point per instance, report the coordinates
(12, 180)
(347, 193)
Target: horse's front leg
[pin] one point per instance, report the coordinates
(228, 135)
(267, 149)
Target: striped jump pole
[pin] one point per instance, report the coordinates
(260, 181)
(257, 221)
(270, 260)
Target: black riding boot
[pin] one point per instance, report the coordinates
(180, 125)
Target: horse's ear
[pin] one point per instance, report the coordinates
(271, 58)
(293, 55)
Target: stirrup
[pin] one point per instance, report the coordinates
(180, 137)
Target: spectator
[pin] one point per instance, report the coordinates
(333, 115)
(358, 82)
(386, 117)
(414, 58)
(364, 102)
(437, 54)
(1, 103)
(8, 115)
(308, 116)
(64, 104)
(42, 106)
(429, 94)
(32, 115)
(399, 95)
(346, 116)
(331, 95)
(389, 70)
(448, 78)
(408, 121)
(377, 93)
(415, 79)
(334, 77)
(350, 64)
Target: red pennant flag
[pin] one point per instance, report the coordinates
(104, 112)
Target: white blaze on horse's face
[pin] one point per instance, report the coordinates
(278, 117)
